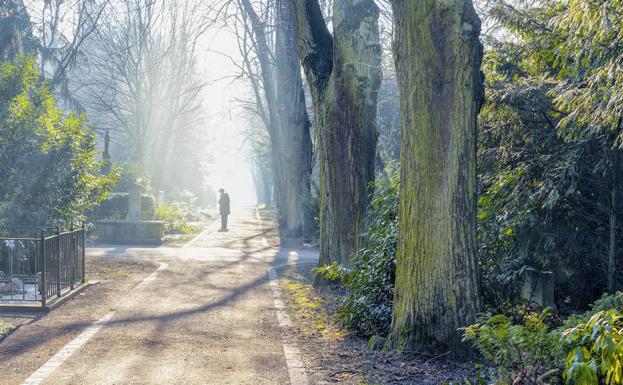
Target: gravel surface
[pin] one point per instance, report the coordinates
(333, 355)
(209, 318)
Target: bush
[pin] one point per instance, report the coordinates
(596, 350)
(148, 207)
(175, 218)
(534, 348)
(48, 161)
(5, 329)
(367, 309)
(526, 352)
(594, 341)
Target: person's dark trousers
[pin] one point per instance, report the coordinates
(223, 222)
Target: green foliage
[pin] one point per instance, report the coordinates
(594, 341)
(533, 348)
(48, 167)
(583, 47)
(526, 352)
(367, 309)
(607, 302)
(548, 162)
(175, 218)
(596, 350)
(5, 329)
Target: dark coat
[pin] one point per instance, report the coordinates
(223, 204)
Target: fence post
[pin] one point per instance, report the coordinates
(83, 253)
(58, 259)
(44, 278)
(72, 247)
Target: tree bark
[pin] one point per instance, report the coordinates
(289, 123)
(438, 55)
(295, 139)
(344, 74)
(612, 249)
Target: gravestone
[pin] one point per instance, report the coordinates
(134, 203)
(160, 197)
(538, 288)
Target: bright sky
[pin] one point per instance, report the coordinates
(224, 124)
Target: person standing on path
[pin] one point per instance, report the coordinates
(223, 205)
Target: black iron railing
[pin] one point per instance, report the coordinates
(37, 269)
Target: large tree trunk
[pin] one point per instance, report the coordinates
(343, 72)
(289, 123)
(438, 56)
(296, 150)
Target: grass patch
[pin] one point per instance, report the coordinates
(308, 308)
(5, 329)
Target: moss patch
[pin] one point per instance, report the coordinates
(308, 311)
(5, 329)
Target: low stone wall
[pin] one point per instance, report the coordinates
(130, 232)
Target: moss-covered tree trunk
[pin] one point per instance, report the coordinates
(438, 55)
(343, 72)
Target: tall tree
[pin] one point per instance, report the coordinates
(140, 82)
(48, 160)
(576, 47)
(344, 73)
(287, 121)
(296, 145)
(438, 56)
(60, 42)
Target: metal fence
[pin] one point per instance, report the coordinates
(37, 269)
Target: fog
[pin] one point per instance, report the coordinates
(226, 126)
(157, 78)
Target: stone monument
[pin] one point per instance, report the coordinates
(538, 288)
(134, 203)
(160, 197)
(133, 230)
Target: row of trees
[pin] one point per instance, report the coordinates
(548, 181)
(546, 189)
(338, 46)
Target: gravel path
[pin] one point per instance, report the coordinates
(208, 318)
